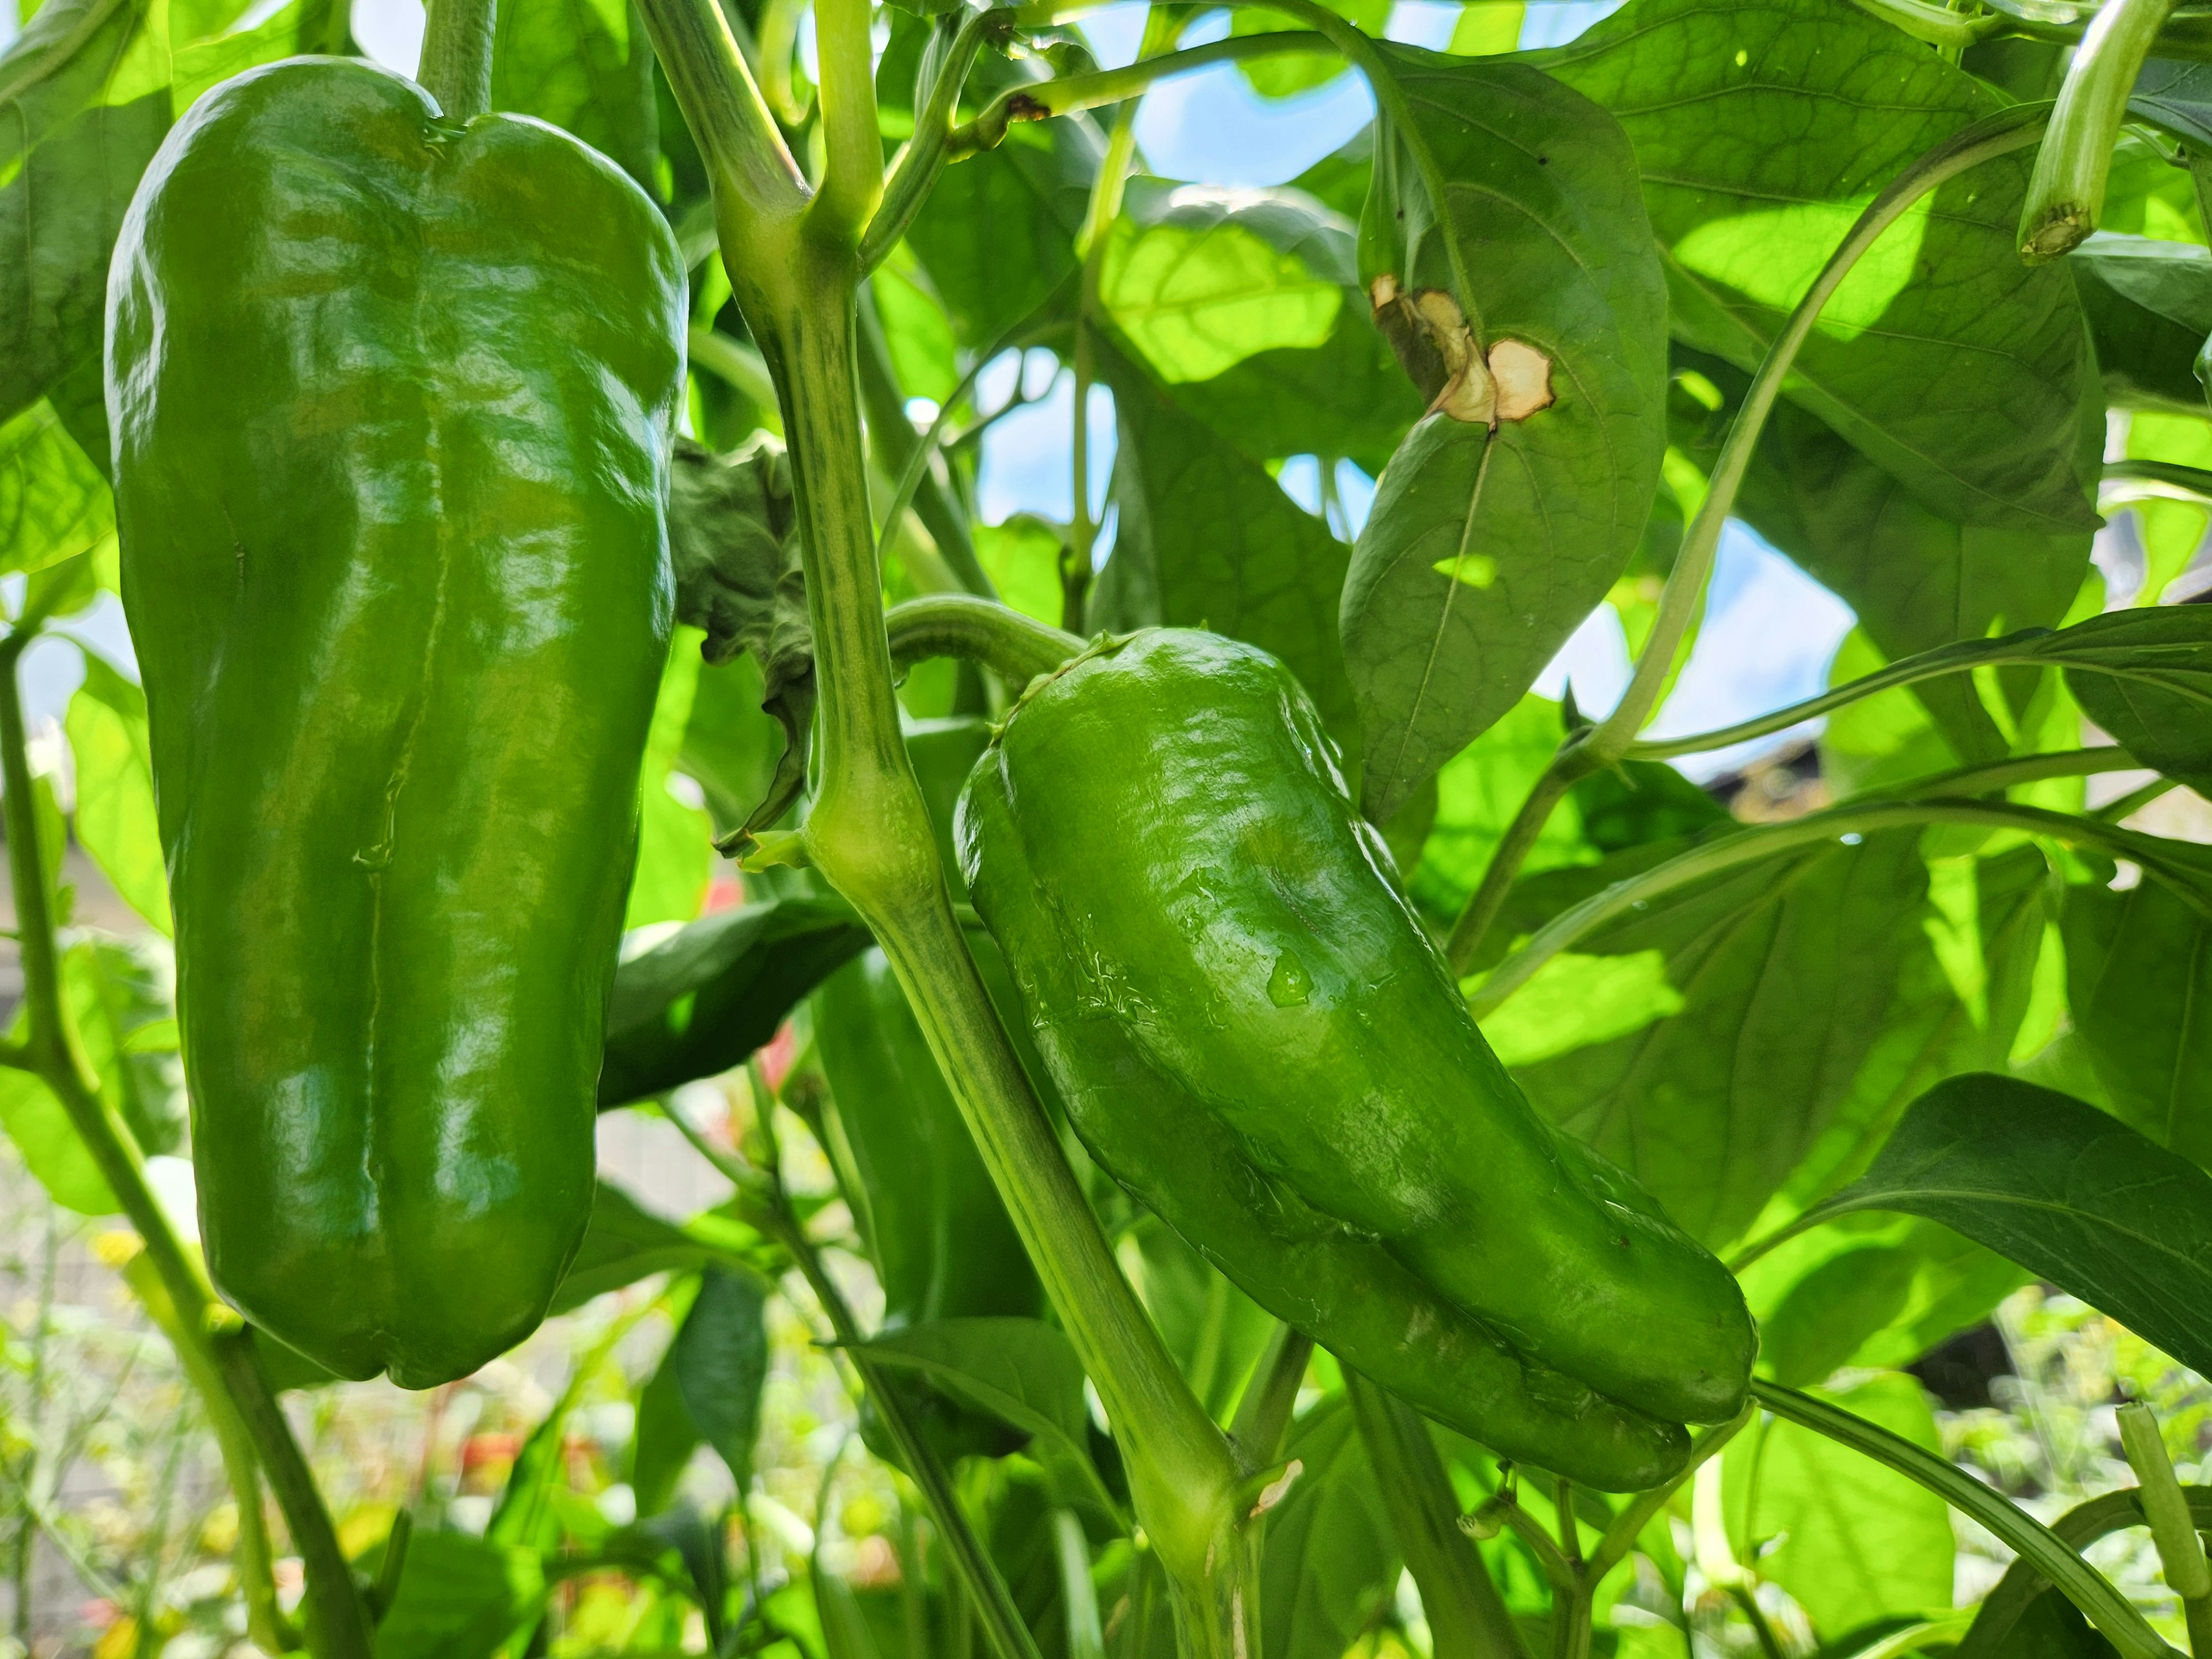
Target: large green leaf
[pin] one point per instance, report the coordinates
(1915, 580)
(1784, 970)
(583, 65)
(1489, 541)
(54, 504)
(698, 1003)
(997, 236)
(675, 844)
(1198, 278)
(458, 1597)
(1762, 128)
(121, 995)
(1880, 1296)
(721, 1356)
(2139, 986)
(2149, 304)
(115, 818)
(1286, 74)
(2145, 676)
(84, 100)
(211, 49)
(1332, 1561)
(624, 1243)
(1851, 1541)
(1207, 539)
(2072, 1194)
(1213, 1331)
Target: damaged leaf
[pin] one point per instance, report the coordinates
(733, 543)
(1506, 253)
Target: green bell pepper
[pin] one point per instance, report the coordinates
(392, 401)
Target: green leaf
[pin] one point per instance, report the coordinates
(2145, 676)
(624, 1243)
(1854, 1541)
(698, 1003)
(2073, 1195)
(215, 54)
(1213, 1331)
(54, 504)
(115, 817)
(1783, 969)
(997, 236)
(1762, 128)
(733, 543)
(84, 100)
(2149, 304)
(1347, 396)
(721, 1356)
(1207, 539)
(1864, 1292)
(1485, 549)
(664, 1440)
(1198, 278)
(585, 66)
(1022, 1371)
(1021, 555)
(1287, 74)
(1479, 791)
(2139, 987)
(116, 989)
(1332, 1561)
(1917, 581)
(459, 1596)
(39, 1126)
(675, 844)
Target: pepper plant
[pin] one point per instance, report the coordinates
(1311, 1106)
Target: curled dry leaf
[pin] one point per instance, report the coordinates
(1429, 332)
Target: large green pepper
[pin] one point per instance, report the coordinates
(942, 1244)
(392, 402)
(1253, 1034)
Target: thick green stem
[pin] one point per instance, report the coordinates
(853, 182)
(869, 835)
(1015, 647)
(2066, 193)
(2172, 1528)
(2028, 1538)
(1467, 1616)
(456, 66)
(338, 1624)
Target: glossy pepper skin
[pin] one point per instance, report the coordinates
(942, 1244)
(393, 402)
(1254, 1036)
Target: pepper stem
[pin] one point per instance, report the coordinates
(456, 66)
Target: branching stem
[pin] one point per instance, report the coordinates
(1614, 737)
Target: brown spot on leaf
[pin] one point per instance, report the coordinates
(1023, 107)
(1523, 375)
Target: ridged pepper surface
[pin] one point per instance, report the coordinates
(392, 401)
(1254, 1036)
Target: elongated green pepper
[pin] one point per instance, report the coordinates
(1253, 1035)
(392, 401)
